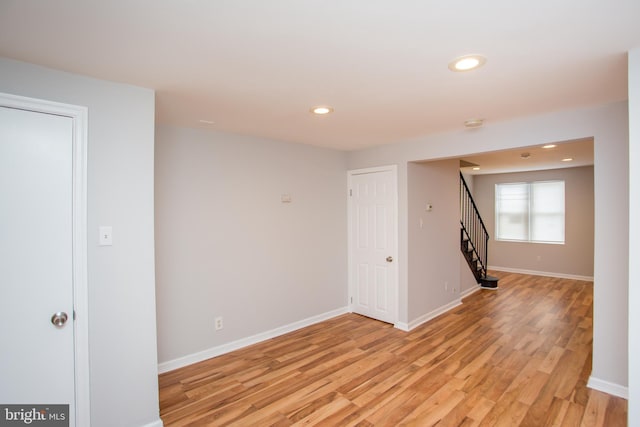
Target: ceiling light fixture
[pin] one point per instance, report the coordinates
(549, 146)
(207, 122)
(473, 123)
(467, 63)
(477, 168)
(567, 159)
(322, 110)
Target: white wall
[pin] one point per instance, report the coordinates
(634, 237)
(122, 329)
(574, 258)
(227, 246)
(434, 236)
(608, 125)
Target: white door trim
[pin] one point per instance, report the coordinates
(79, 116)
(394, 170)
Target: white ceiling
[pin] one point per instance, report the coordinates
(533, 158)
(256, 67)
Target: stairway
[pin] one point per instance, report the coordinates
(474, 238)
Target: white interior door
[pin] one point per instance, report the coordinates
(373, 242)
(36, 278)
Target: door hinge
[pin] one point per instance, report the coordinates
(351, 300)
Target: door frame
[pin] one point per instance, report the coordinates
(350, 267)
(79, 117)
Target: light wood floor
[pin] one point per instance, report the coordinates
(520, 355)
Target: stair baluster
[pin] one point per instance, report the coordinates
(474, 238)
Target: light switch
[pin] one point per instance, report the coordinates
(106, 235)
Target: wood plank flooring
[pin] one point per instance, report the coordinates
(520, 355)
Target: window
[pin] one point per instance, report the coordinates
(530, 211)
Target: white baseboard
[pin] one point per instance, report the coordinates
(469, 291)
(542, 273)
(157, 423)
(607, 387)
(437, 312)
(426, 317)
(402, 326)
(244, 342)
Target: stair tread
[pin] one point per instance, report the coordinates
(488, 282)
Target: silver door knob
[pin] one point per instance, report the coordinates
(59, 319)
(389, 259)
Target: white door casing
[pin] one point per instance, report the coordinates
(373, 229)
(43, 254)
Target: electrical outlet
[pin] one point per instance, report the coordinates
(219, 324)
(446, 286)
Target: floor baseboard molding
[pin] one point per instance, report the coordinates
(608, 387)
(471, 290)
(541, 273)
(244, 342)
(428, 316)
(437, 312)
(157, 423)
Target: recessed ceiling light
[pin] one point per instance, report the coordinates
(473, 123)
(477, 168)
(467, 63)
(567, 159)
(525, 155)
(207, 122)
(549, 146)
(322, 110)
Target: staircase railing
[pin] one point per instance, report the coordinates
(473, 231)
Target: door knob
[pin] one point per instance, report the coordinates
(59, 319)
(389, 259)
